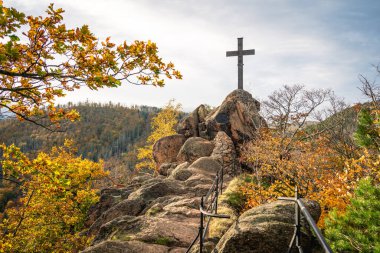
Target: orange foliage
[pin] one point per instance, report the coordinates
(280, 163)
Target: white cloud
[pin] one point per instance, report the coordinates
(310, 44)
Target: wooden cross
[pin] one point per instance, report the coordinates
(239, 53)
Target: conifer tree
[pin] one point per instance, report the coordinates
(358, 230)
(368, 131)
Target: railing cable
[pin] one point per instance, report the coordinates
(211, 210)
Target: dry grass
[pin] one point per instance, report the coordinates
(229, 203)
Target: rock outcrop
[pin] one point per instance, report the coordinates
(194, 148)
(238, 116)
(225, 153)
(154, 212)
(267, 228)
(189, 126)
(161, 214)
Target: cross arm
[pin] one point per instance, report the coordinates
(244, 52)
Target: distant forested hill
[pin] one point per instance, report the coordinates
(104, 130)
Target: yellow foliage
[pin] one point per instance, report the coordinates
(48, 60)
(163, 124)
(56, 193)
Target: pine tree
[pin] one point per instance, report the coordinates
(358, 229)
(368, 134)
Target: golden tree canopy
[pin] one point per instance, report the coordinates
(41, 59)
(163, 124)
(56, 194)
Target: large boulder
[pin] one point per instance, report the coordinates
(149, 229)
(126, 207)
(267, 228)
(205, 167)
(165, 150)
(194, 148)
(224, 152)
(139, 200)
(185, 207)
(189, 125)
(238, 116)
(176, 207)
(160, 213)
(203, 172)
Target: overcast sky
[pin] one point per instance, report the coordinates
(321, 44)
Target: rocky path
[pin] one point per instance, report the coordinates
(160, 214)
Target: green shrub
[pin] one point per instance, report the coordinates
(367, 133)
(358, 229)
(166, 241)
(236, 200)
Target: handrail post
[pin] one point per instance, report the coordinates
(298, 221)
(221, 183)
(201, 229)
(216, 194)
(296, 238)
(222, 176)
(314, 227)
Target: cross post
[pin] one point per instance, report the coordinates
(239, 53)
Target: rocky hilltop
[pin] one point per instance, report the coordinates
(161, 214)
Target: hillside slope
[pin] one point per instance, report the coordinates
(103, 131)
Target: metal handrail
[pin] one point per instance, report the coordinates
(214, 190)
(301, 208)
(214, 215)
(211, 190)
